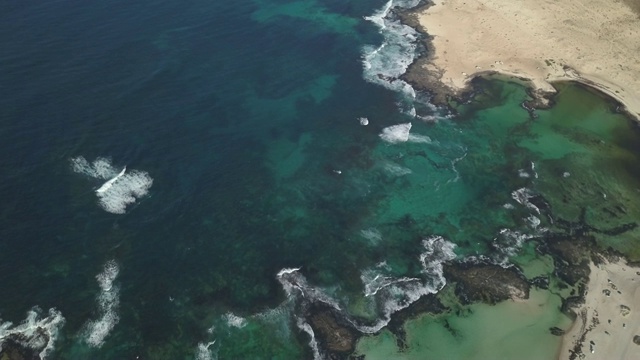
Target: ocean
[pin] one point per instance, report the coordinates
(178, 176)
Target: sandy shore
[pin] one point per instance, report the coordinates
(596, 42)
(609, 320)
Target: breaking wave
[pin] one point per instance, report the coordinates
(235, 320)
(385, 64)
(522, 196)
(395, 169)
(389, 293)
(121, 188)
(394, 294)
(423, 139)
(95, 331)
(396, 133)
(204, 352)
(35, 332)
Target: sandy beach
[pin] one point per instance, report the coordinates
(595, 42)
(608, 323)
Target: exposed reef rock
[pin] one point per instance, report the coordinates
(13, 348)
(334, 335)
(426, 304)
(487, 283)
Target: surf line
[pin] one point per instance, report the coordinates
(109, 183)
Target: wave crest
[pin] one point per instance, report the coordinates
(121, 188)
(96, 331)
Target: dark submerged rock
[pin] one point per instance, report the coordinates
(13, 348)
(486, 282)
(334, 335)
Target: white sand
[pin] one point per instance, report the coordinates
(596, 42)
(611, 340)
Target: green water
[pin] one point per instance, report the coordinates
(508, 330)
(585, 161)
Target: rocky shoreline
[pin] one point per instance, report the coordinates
(574, 252)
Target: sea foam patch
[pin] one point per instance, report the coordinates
(388, 293)
(396, 293)
(235, 320)
(372, 234)
(122, 187)
(36, 332)
(395, 169)
(396, 133)
(385, 64)
(204, 352)
(96, 331)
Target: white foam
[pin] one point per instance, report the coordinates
(204, 352)
(363, 121)
(279, 319)
(423, 139)
(374, 281)
(96, 331)
(384, 65)
(522, 196)
(395, 169)
(108, 275)
(313, 344)
(235, 320)
(523, 174)
(100, 168)
(508, 243)
(394, 294)
(453, 167)
(294, 282)
(389, 293)
(35, 332)
(378, 17)
(106, 186)
(396, 133)
(372, 234)
(121, 189)
(533, 221)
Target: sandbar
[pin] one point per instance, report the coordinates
(595, 42)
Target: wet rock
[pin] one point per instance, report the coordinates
(571, 255)
(541, 282)
(333, 334)
(556, 331)
(486, 282)
(571, 303)
(426, 304)
(14, 349)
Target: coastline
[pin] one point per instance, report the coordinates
(539, 43)
(608, 321)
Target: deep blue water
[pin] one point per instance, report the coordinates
(195, 93)
(252, 190)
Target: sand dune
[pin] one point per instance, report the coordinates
(592, 41)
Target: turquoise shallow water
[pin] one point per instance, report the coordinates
(238, 124)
